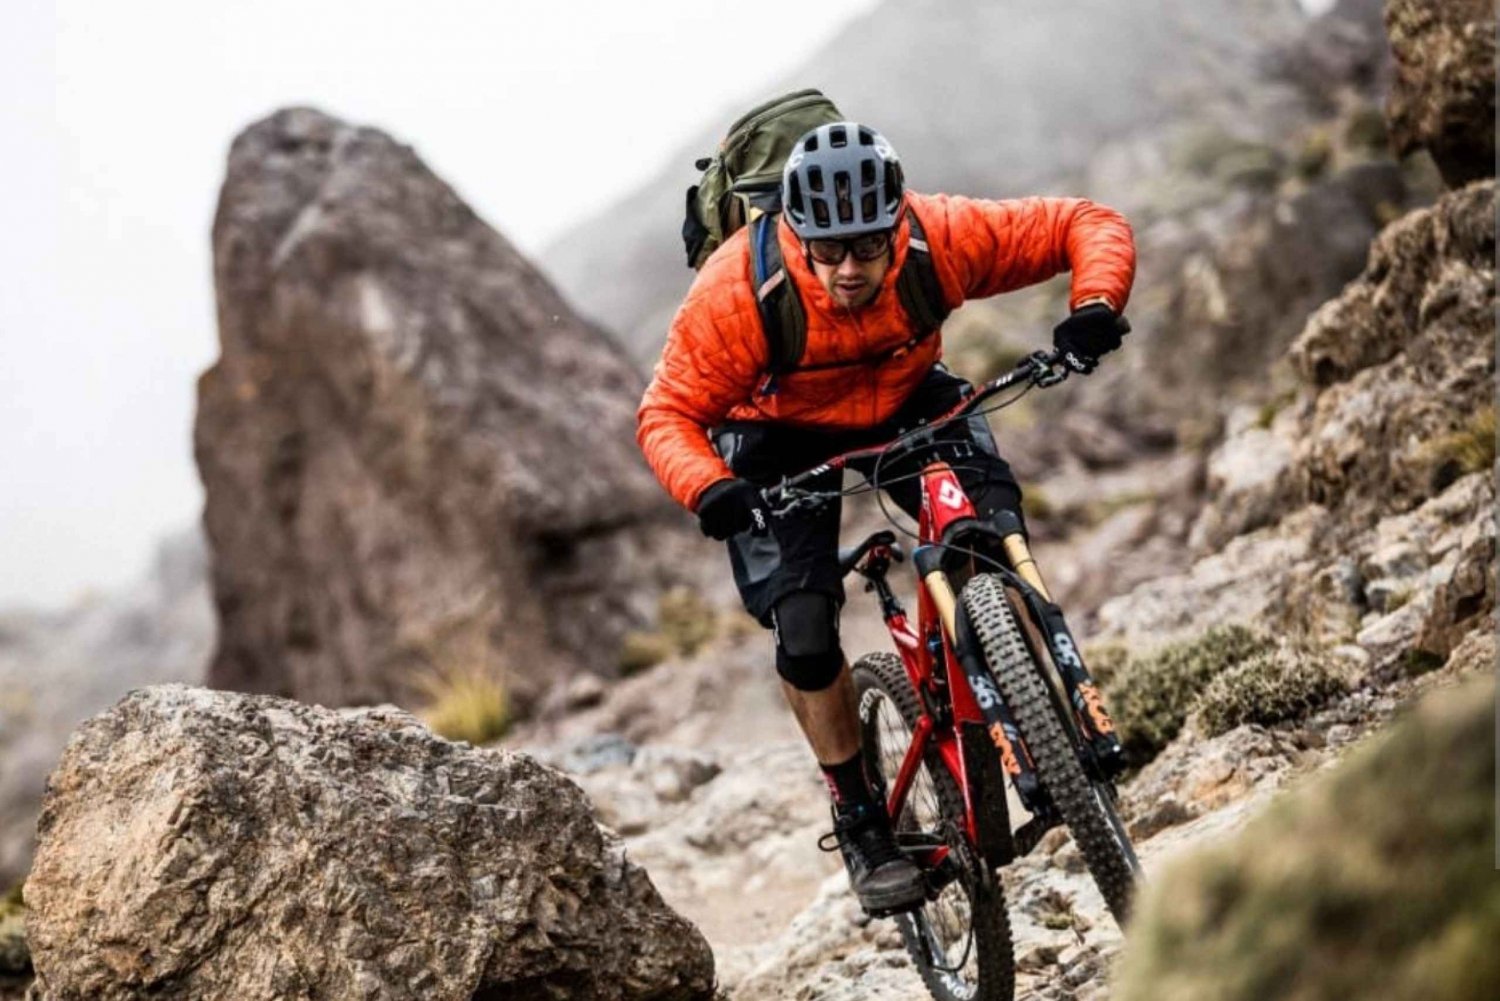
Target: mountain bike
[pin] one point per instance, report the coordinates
(986, 687)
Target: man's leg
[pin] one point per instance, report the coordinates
(789, 580)
(828, 718)
(820, 691)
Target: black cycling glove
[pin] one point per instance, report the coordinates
(729, 507)
(1088, 334)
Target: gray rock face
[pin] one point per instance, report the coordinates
(1373, 485)
(416, 457)
(1403, 357)
(205, 845)
(1443, 98)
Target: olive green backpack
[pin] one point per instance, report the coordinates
(741, 184)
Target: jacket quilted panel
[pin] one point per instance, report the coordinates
(713, 367)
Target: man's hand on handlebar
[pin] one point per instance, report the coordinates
(1090, 333)
(729, 507)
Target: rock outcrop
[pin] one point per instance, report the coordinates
(1363, 511)
(205, 845)
(417, 458)
(1443, 98)
(59, 668)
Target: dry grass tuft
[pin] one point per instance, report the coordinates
(466, 703)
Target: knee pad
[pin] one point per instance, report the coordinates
(808, 656)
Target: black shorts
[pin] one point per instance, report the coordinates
(801, 551)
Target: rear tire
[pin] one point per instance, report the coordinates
(1087, 805)
(966, 928)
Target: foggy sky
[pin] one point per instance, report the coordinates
(117, 118)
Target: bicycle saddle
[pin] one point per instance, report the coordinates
(850, 556)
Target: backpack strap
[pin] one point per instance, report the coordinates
(781, 315)
(917, 285)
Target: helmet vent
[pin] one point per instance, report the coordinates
(866, 137)
(794, 193)
(867, 173)
(820, 213)
(815, 178)
(837, 137)
(841, 196)
(893, 183)
(868, 208)
(811, 146)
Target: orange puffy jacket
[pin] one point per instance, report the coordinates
(714, 365)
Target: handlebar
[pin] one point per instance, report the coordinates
(1040, 368)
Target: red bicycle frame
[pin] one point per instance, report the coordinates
(943, 503)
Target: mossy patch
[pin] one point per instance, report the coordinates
(1282, 684)
(1152, 694)
(1468, 449)
(1376, 881)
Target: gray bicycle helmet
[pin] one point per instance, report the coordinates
(841, 179)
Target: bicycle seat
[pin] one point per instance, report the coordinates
(850, 556)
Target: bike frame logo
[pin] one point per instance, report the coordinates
(1066, 652)
(950, 495)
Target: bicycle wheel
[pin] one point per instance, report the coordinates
(960, 942)
(1087, 805)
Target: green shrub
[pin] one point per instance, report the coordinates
(1281, 684)
(465, 704)
(1151, 695)
(1374, 881)
(1105, 660)
(1415, 662)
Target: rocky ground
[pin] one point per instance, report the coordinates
(724, 808)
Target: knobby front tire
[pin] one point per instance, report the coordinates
(1087, 806)
(967, 924)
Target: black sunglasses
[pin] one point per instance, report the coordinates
(866, 248)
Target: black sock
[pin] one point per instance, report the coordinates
(847, 783)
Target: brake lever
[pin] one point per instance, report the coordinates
(1046, 370)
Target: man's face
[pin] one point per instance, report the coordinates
(851, 282)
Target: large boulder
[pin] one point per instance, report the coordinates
(1443, 97)
(197, 844)
(417, 458)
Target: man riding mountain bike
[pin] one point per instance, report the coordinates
(719, 421)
